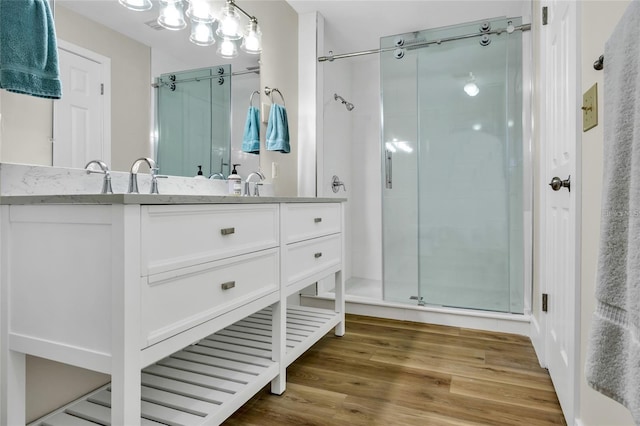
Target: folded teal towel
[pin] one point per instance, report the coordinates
(278, 130)
(28, 49)
(251, 138)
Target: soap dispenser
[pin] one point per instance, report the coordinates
(235, 182)
(199, 175)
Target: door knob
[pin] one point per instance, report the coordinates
(556, 183)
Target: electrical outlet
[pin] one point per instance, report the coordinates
(275, 170)
(590, 108)
(265, 109)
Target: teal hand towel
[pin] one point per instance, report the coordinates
(28, 49)
(278, 130)
(251, 138)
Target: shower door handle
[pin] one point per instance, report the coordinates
(388, 169)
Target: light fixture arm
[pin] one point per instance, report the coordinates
(235, 5)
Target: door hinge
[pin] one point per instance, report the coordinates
(545, 302)
(545, 15)
(102, 88)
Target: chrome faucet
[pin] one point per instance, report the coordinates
(106, 182)
(256, 192)
(133, 175)
(217, 176)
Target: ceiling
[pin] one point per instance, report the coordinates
(358, 24)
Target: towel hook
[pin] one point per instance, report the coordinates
(255, 92)
(269, 92)
(599, 63)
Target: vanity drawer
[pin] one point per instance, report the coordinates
(179, 236)
(310, 220)
(175, 301)
(308, 258)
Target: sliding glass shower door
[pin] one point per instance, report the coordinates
(453, 168)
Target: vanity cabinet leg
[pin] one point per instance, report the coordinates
(279, 346)
(340, 306)
(13, 376)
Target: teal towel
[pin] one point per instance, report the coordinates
(251, 138)
(28, 49)
(278, 130)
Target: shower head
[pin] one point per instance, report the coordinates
(347, 105)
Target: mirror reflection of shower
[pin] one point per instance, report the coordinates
(347, 105)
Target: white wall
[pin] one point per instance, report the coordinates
(598, 20)
(279, 69)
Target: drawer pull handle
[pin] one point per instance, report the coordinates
(317, 255)
(317, 220)
(228, 285)
(228, 231)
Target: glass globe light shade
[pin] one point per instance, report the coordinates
(252, 42)
(171, 15)
(227, 49)
(200, 11)
(229, 23)
(201, 34)
(137, 5)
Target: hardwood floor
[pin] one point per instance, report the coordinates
(385, 372)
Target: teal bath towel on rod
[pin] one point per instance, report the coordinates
(251, 137)
(278, 126)
(28, 49)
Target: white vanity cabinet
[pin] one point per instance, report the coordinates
(184, 305)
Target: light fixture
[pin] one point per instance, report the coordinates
(171, 15)
(202, 34)
(471, 88)
(229, 24)
(137, 5)
(227, 49)
(252, 42)
(202, 18)
(200, 11)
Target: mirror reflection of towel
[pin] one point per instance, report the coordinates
(28, 49)
(251, 138)
(278, 130)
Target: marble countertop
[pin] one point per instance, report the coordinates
(156, 199)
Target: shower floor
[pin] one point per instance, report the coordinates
(371, 290)
(364, 297)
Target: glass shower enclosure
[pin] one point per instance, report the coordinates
(193, 121)
(453, 168)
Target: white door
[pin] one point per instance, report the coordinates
(560, 216)
(81, 125)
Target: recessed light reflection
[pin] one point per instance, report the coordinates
(477, 127)
(395, 145)
(510, 123)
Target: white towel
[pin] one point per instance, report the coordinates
(613, 356)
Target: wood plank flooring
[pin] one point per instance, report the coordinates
(385, 372)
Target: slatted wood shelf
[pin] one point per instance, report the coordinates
(205, 383)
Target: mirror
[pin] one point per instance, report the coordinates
(135, 131)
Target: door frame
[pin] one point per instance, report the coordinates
(105, 65)
(539, 325)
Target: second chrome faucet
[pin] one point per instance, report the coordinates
(133, 175)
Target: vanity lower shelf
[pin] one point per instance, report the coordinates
(206, 382)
